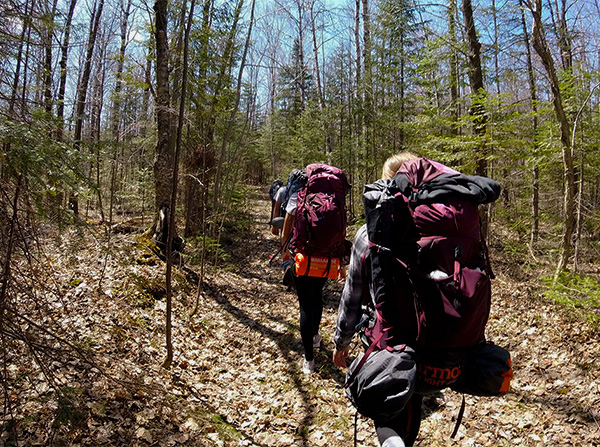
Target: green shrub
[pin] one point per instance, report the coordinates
(578, 293)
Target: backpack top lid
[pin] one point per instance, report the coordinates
(425, 181)
(422, 170)
(320, 224)
(327, 172)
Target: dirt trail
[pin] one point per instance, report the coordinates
(255, 377)
(236, 378)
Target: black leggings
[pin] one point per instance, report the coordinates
(310, 298)
(406, 425)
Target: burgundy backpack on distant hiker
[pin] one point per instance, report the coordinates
(429, 259)
(320, 225)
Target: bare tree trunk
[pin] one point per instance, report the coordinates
(163, 162)
(564, 40)
(541, 47)
(303, 86)
(116, 106)
(16, 79)
(198, 161)
(535, 205)
(321, 96)
(579, 211)
(64, 49)
(358, 60)
(478, 113)
(6, 274)
(171, 232)
(97, 104)
(82, 91)
(579, 215)
(144, 117)
(453, 75)
(496, 48)
(368, 92)
(358, 109)
(535, 200)
(477, 110)
(315, 48)
(47, 74)
(402, 93)
(26, 71)
(272, 93)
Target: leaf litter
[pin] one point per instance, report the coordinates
(236, 378)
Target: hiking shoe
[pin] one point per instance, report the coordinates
(308, 366)
(317, 341)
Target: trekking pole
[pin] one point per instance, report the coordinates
(356, 428)
(283, 247)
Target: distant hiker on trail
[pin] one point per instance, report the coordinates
(420, 311)
(281, 197)
(314, 241)
(273, 190)
(287, 193)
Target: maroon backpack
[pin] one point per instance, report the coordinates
(429, 265)
(320, 225)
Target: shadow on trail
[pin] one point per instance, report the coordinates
(569, 407)
(287, 345)
(260, 244)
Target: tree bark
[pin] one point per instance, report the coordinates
(97, 104)
(533, 99)
(47, 75)
(477, 110)
(541, 48)
(64, 50)
(85, 75)
(6, 268)
(368, 93)
(116, 106)
(453, 62)
(320, 91)
(357, 109)
(579, 205)
(201, 157)
(315, 48)
(82, 91)
(163, 160)
(172, 227)
(564, 40)
(17, 76)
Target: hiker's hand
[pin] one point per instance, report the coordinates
(342, 275)
(339, 357)
(274, 231)
(285, 256)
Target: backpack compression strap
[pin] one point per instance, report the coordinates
(363, 360)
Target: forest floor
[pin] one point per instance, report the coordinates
(236, 378)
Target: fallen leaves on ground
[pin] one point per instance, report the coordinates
(236, 378)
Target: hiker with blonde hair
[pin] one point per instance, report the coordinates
(419, 282)
(402, 430)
